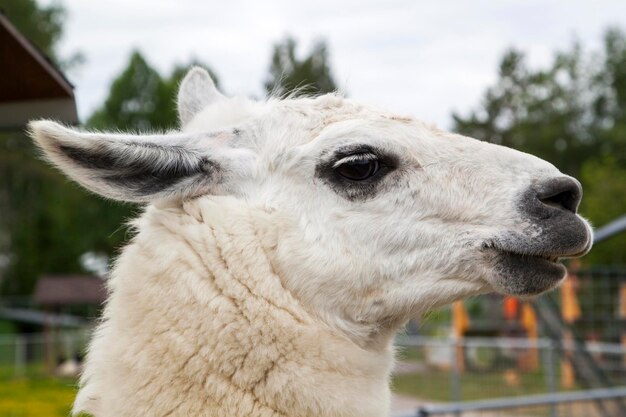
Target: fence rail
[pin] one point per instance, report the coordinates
(526, 401)
(38, 354)
(507, 343)
(501, 404)
(488, 376)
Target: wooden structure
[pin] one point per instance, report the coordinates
(56, 293)
(31, 87)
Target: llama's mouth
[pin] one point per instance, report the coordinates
(524, 266)
(523, 273)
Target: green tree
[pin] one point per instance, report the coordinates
(604, 174)
(48, 222)
(137, 100)
(573, 114)
(40, 230)
(604, 179)
(609, 105)
(140, 99)
(289, 74)
(543, 112)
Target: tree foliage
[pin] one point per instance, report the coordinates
(141, 99)
(605, 194)
(137, 100)
(37, 235)
(289, 74)
(573, 114)
(48, 222)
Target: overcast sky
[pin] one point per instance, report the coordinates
(424, 58)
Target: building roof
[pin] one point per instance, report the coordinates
(31, 86)
(56, 290)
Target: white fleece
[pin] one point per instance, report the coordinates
(199, 324)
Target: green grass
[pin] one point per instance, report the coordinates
(435, 385)
(410, 354)
(41, 397)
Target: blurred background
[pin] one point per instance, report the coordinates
(548, 78)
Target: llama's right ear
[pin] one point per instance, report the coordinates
(142, 168)
(197, 90)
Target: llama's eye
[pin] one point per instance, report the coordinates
(357, 168)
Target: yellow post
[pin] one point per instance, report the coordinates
(460, 324)
(529, 322)
(570, 312)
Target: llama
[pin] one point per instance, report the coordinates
(284, 242)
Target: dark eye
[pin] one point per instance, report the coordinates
(357, 168)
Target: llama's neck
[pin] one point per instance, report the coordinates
(198, 324)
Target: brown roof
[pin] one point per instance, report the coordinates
(31, 86)
(70, 290)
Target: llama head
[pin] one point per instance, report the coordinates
(388, 216)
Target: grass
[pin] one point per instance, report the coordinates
(35, 394)
(40, 397)
(435, 385)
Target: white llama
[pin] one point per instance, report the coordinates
(286, 241)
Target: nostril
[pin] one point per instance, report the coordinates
(562, 193)
(563, 200)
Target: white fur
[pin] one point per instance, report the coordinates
(272, 295)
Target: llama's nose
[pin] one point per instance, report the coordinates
(561, 193)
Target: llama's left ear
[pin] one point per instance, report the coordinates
(197, 91)
(143, 168)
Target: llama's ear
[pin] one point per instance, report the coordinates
(139, 168)
(197, 90)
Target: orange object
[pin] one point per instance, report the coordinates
(511, 308)
(568, 376)
(570, 312)
(622, 301)
(529, 323)
(512, 378)
(460, 324)
(570, 309)
(460, 319)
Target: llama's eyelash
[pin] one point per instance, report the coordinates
(353, 158)
(361, 190)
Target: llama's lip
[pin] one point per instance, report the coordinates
(527, 250)
(524, 266)
(523, 273)
(554, 258)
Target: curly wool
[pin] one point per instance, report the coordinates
(199, 324)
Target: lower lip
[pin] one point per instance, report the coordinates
(527, 275)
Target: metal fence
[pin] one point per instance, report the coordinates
(495, 361)
(498, 373)
(570, 404)
(41, 354)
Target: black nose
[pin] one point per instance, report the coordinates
(563, 193)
